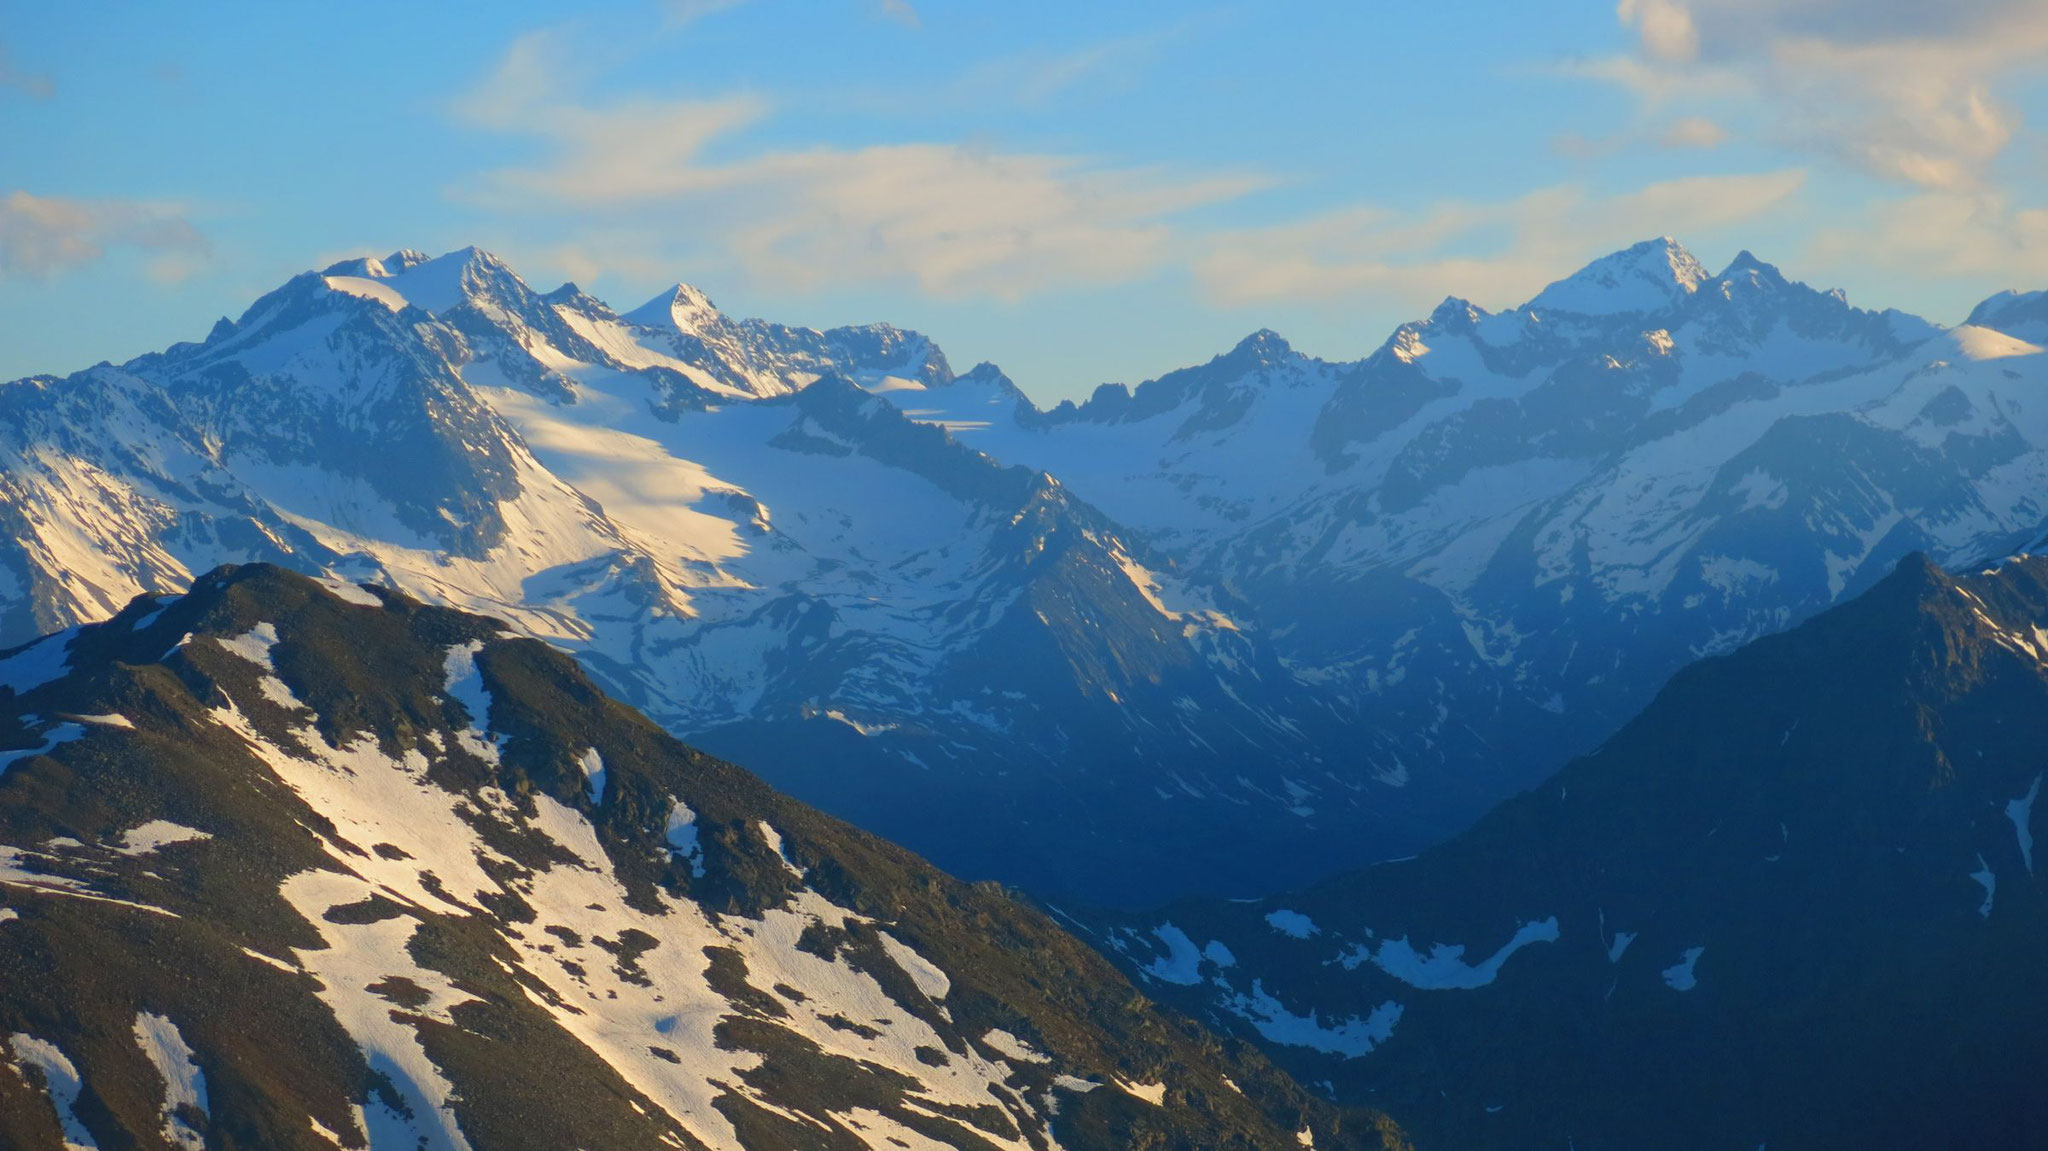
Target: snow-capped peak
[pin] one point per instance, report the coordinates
(1648, 277)
(1264, 346)
(407, 277)
(682, 307)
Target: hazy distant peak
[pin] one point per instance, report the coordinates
(1648, 277)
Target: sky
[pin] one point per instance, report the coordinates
(1077, 192)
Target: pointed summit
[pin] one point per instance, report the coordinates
(682, 307)
(1745, 266)
(1264, 346)
(1649, 277)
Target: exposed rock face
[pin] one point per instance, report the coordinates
(292, 865)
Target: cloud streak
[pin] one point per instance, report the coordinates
(952, 220)
(1499, 252)
(41, 236)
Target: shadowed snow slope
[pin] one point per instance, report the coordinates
(350, 871)
(1791, 904)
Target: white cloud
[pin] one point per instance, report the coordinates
(901, 12)
(1969, 239)
(1906, 90)
(951, 219)
(1498, 253)
(1694, 132)
(42, 235)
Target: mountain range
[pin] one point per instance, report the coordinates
(286, 864)
(1234, 629)
(1794, 903)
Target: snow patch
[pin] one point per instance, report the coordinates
(1349, 1038)
(1988, 880)
(1444, 967)
(2021, 812)
(64, 1085)
(681, 836)
(923, 972)
(184, 1082)
(157, 833)
(47, 660)
(1011, 1047)
(1291, 923)
(1679, 976)
(1182, 963)
(593, 771)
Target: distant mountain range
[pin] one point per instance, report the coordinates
(1797, 902)
(1236, 628)
(286, 865)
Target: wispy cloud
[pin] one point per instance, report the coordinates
(902, 12)
(1970, 239)
(1499, 253)
(1902, 89)
(44, 235)
(950, 219)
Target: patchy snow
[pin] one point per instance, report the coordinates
(44, 661)
(773, 839)
(681, 836)
(2021, 812)
(20, 868)
(1988, 880)
(1153, 1093)
(155, 834)
(63, 1082)
(1011, 1047)
(593, 770)
(1349, 1038)
(256, 645)
(1182, 963)
(352, 593)
(110, 720)
(923, 972)
(622, 1016)
(1619, 945)
(1444, 967)
(1291, 923)
(1679, 977)
(62, 733)
(184, 1082)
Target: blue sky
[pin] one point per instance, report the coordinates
(1078, 192)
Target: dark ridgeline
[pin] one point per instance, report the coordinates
(1795, 903)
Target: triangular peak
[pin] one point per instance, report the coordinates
(682, 307)
(1647, 277)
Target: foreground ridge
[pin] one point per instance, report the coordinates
(288, 864)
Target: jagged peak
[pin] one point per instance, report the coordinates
(1265, 345)
(1456, 312)
(1647, 277)
(1745, 266)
